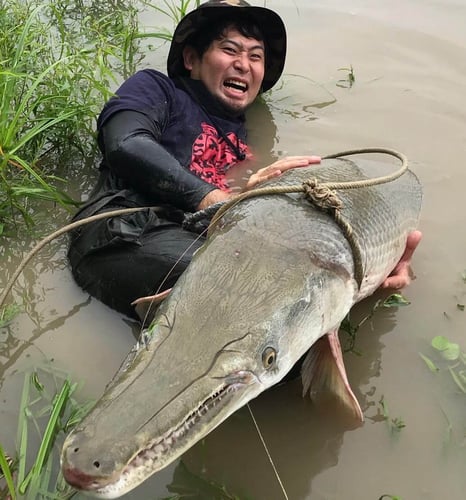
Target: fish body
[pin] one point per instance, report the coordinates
(275, 277)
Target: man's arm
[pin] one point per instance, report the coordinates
(129, 140)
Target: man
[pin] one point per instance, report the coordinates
(169, 141)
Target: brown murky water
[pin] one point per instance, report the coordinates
(409, 61)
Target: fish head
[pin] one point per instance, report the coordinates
(176, 387)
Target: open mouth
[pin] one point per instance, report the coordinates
(236, 85)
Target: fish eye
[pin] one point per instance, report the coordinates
(269, 356)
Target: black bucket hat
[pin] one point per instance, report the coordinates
(267, 20)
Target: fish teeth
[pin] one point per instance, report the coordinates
(162, 445)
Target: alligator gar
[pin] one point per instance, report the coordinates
(272, 282)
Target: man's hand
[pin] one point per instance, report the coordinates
(214, 197)
(277, 168)
(400, 276)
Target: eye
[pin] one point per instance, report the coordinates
(269, 356)
(229, 50)
(256, 57)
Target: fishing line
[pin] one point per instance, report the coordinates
(269, 456)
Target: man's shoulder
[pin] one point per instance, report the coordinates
(147, 81)
(148, 91)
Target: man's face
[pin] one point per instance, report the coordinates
(232, 69)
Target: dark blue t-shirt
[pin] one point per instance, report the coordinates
(186, 121)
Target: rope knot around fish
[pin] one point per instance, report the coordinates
(321, 195)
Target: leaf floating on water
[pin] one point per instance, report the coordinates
(452, 353)
(449, 350)
(430, 364)
(457, 380)
(396, 300)
(349, 80)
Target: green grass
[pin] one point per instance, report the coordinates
(58, 65)
(50, 406)
(175, 10)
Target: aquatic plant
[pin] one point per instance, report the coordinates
(349, 79)
(49, 410)
(450, 358)
(395, 424)
(351, 328)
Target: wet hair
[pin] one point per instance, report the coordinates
(202, 39)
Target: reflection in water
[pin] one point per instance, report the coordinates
(298, 97)
(12, 348)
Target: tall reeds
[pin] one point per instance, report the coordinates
(58, 65)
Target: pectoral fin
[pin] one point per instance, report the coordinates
(323, 373)
(146, 306)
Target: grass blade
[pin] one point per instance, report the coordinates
(22, 438)
(49, 434)
(5, 467)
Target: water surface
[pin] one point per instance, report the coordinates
(409, 63)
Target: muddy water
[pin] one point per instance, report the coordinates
(409, 63)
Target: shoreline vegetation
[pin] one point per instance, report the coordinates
(58, 64)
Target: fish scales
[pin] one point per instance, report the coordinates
(379, 215)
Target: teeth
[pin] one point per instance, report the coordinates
(158, 448)
(236, 84)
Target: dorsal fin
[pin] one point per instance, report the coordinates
(323, 373)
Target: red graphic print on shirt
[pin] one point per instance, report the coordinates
(212, 156)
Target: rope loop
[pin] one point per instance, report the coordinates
(321, 196)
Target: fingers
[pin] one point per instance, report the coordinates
(280, 166)
(398, 281)
(411, 244)
(292, 162)
(400, 276)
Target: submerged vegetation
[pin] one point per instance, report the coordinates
(351, 329)
(395, 424)
(449, 358)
